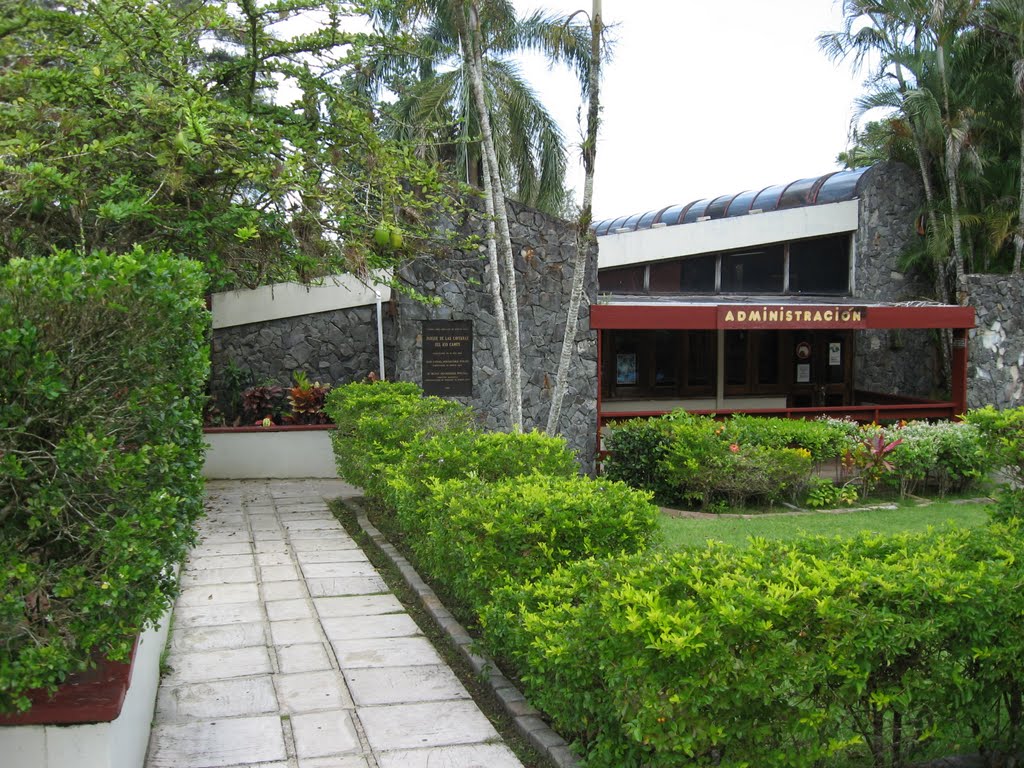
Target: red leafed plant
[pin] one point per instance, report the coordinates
(307, 401)
(870, 458)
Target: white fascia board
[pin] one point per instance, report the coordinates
(273, 302)
(716, 235)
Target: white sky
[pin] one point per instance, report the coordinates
(705, 98)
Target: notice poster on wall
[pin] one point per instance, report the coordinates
(803, 373)
(835, 353)
(448, 357)
(625, 368)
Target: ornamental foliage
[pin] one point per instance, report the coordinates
(104, 359)
(207, 128)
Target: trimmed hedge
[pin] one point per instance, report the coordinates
(485, 456)
(821, 652)
(101, 451)
(474, 536)
(375, 423)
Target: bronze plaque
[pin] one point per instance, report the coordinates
(448, 357)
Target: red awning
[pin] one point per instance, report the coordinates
(669, 316)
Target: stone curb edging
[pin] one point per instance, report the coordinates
(526, 718)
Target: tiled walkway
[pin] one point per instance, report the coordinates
(288, 651)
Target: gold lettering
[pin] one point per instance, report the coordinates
(728, 317)
(741, 316)
(773, 316)
(856, 316)
(828, 315)
(755, 316)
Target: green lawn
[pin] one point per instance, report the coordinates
(680, 532)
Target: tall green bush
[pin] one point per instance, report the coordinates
(1004, 444)
(820, 652)
(375, 423)
(101, 449)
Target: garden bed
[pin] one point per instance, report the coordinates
(100, 718)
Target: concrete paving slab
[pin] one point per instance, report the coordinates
(386, 652)
(398, 685)
(335, 761)
(316, 543)
(357, 585)
(463, 756)
(220, 561)
(431, 724)
(341, 570)
(234, 548)
(318, 734)
(217, 699)
(283, 590)
(206, 615)
(360, 627)
(357, 605)
(217, 665)
(282, 557)
(217, 743)
(312, 692)
(304, 657)
(282, 610)
(218, 594)
(279, 573)
(201, 576)
(294, 631)
(352, 555)
(219, 636)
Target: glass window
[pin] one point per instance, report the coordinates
(820, 266)
(666, 358)
(736, 358)
(665, 277)
(753, 271)
(767, 344)
(622, 280)
(700, 359)
(697, 275)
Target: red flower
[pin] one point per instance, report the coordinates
(734, 448)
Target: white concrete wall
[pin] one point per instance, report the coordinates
(246, 455)
(272, 302)
(619, 250)
(121, 743)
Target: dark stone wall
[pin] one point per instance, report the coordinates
(896, 361)
(995, 348)
(544, 249)
(333, 347)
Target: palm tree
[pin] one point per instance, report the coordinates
(436, 110)
(585, 237)
(1006, 19)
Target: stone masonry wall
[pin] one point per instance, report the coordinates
(995, 349)
(895, 361)
(544, 249)
(333, 347)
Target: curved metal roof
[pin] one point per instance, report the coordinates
(833, 187)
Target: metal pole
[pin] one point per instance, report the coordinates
(380, 336)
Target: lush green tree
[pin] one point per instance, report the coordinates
(947, 77)
(198, 127)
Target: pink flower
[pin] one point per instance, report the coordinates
(734, 448)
